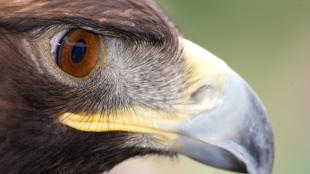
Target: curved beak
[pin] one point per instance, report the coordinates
(236, 135)
(221, 122)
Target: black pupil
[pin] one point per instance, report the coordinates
(78, 51)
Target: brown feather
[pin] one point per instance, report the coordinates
(31, 140)
(138, 17)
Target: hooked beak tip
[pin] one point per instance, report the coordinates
(236, 135)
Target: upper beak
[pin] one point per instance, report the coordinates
(221, 122)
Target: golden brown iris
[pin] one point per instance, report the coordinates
(78, 53)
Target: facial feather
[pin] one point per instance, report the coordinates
(31, 97)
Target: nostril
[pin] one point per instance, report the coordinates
(200, 93)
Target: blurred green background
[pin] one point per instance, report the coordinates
(268, 43)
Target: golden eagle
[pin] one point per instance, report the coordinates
(85, 85)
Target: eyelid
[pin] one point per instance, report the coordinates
(56, 41)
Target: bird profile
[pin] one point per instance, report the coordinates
(85, 85)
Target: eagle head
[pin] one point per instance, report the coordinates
(85, 85)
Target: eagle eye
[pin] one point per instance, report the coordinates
(76, 51)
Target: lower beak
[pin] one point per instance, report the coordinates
(221, 122)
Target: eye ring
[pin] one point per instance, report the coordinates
(77, 52)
